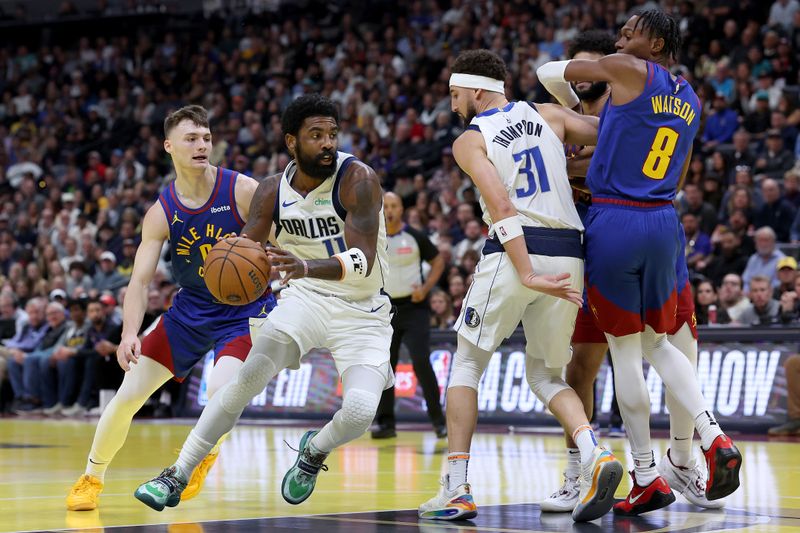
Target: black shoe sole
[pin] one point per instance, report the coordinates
(727, 461)
(384, 434)
(610, 478)
(659, 500)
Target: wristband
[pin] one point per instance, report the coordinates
(507, 229)
(354, 264)
(305, 267)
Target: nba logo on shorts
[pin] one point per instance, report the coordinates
(440, 361)
(471, 317)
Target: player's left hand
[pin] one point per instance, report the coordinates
(283, 261)
(555, 285)
(418, 293)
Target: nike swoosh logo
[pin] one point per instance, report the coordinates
(636, 499)
(90, 460)
(376, 308)
(284, 204)
(678, 438)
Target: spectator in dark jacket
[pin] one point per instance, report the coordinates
(776, 212)
(727, 258)
(775, 159)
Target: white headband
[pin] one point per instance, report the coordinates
(473, 81)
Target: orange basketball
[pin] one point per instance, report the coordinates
(237, 271)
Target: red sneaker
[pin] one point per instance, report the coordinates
(644, 499)
(724, 461)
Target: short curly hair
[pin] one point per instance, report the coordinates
(597, 41)
(308, 105)
(481, 63)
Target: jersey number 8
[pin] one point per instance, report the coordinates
(526, 169)
(657, 162)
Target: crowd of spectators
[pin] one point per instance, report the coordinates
(81, 156)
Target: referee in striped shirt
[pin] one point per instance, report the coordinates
(408, 248)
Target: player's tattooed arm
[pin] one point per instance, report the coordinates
(262, 207)
(362, 197)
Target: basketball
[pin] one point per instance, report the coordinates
(237, 271)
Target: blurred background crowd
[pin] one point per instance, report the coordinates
(85, 86)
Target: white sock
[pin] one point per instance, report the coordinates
(708, 428)
(586, 441)
(645, 468)
(457, 463)
(97, 470)
(193, 452)
(681, 423)
(573, 463)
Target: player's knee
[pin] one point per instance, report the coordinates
(253, 377)
(469, 362)
(358, 409)
(545, 382)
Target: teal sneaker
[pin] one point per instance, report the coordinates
(299, 481)
(164, 490)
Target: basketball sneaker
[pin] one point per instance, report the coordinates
(689, 480)
(456, 504)
(564, 499)
(644, 499)
(163, 490)
(599, 480)
(299, 481)
(200, 472)
(84, 494)
(723, 461)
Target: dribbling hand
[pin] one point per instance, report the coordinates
(128, 351)
(283, 261)
(555, 285)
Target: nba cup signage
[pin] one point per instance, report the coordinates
(743, 383)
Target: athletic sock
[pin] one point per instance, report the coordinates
(573, 463)
(584, 437)
(645, 468)
(96, 469)
(457, 463)
(708, 428)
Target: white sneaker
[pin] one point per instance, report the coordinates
(564, 499)
(54, 410)
(599, 480)
(454, 504)
(75, 409)
(689, 480)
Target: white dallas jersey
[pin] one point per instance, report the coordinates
(529, 158)
(313, 228)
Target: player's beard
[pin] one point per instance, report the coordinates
(595, 91)
(471, 112)
(312, 165)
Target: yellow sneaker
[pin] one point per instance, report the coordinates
(199, 474)
(84, 494)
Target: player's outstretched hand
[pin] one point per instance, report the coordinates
(555, 285)
(283, 261)
(128, 351)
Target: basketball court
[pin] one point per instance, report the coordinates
(371, 485)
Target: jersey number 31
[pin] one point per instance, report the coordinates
(530, 158)
(657, 162)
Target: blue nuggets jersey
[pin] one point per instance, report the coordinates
(192, 234)
(642, 145)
